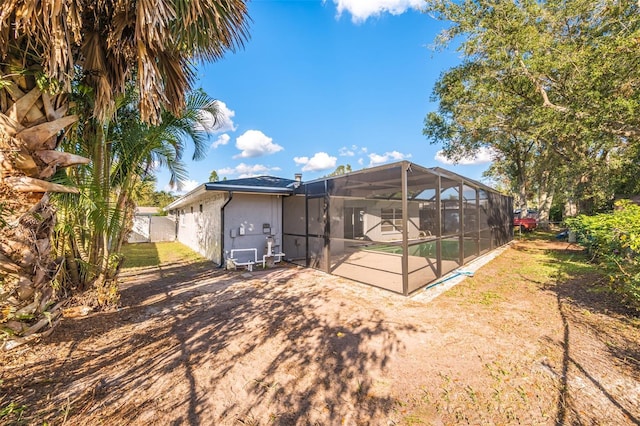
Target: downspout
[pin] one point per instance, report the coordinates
(222, 229)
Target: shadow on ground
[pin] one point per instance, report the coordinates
(586, 309)
(197, 345)
(202, 346)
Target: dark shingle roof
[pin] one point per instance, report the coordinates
(262, 184)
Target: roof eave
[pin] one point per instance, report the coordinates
(186, 198)
(248, 189)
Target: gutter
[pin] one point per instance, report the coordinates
(222, 229)
(188, 197)
(247, 188)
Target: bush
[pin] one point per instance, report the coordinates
(613, 239)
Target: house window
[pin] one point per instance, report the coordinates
(191, 209)
(391, 220)
(200, 208)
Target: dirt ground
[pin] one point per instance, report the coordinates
(289, 346)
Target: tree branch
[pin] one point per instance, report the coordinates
(543, 92)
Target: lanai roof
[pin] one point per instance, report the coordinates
(282, 186)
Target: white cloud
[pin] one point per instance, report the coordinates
(319, 161)
(224, 123)
(361, 10)
(189, 185)
(483, 155)
(346, 152)
(223, 139)
(183, 188)
(352, 150)
(247, 170)
(375, 159)
(225, 119)
(254, 143)
(301, 161)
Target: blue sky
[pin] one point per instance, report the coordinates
(322, 84)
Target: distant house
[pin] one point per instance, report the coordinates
(399, 226)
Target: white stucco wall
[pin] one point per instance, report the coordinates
(201, 230)
(162, 228)
(372, 219)
(152, 229)
(140, 230)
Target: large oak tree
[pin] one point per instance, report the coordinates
(556, 80)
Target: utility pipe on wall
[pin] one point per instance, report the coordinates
(222, 259)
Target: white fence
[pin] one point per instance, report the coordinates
(152, 229)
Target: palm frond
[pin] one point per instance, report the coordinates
(114, 41)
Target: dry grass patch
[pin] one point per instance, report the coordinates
(525, 341)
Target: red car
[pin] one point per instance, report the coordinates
(525, 223)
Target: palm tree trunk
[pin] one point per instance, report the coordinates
(125, 207)
(31, 124)
(72, 266)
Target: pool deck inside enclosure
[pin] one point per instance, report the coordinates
(399, 226)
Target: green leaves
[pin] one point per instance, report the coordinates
(551, 86)
(614, 241)
(125, 154)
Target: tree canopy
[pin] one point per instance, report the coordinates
(552, 87)
(341, 170)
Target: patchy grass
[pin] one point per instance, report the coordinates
(157, 254)
(12, 411)
(489, 297)
(523, 341)
(140, 255)
(519, 288)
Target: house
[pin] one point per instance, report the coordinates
(399, 226)
(218, 217)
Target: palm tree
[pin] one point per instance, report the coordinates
(94, 224)
(109, 44)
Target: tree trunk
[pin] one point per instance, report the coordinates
(521, 201)
(521, 197)
(546, 201)
(570, 207)
(126, 207)
(546, 192)
(32, 123)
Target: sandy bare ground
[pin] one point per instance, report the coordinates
(290, 346)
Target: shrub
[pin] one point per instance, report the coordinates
(613, 239)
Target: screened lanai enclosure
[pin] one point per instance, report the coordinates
(399, 227)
